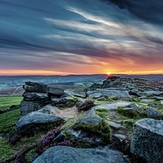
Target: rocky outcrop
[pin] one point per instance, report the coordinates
(35, 121)
(147, 140)
(67, 154)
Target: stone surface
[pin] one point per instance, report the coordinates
(147, 100)
(71, 92)
(34, 96)
(147, 140)
(90, 119)
(35, 87)
(30, 106)
(108, 93)
(35, 121)
(65, 154)
(150, 93)
(114, 125)
(152, 113)
(53, 91)
(63, 101)
(50, 109)
(112, 106)
(161, 102)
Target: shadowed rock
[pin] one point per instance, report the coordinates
(35, 121)
(30, 106)
(67, 154)
(147, 140)
(53, 91)
(34, 96)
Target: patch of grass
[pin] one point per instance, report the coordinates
(6, 150)
(8, 120)
(7, 101)
(10, 100)
(103, 113)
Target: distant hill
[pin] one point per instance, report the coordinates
(17, 81)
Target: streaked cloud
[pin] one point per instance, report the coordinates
(66, 36)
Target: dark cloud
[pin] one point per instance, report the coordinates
(147, 10)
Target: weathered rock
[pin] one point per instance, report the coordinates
(53, 91)
(153, 93)
(152, 113)
(114, 125)
(147, 140)
(112, 106)
(35, 87)
(73, 93)
(67, 154)
(63, 101)
(50, 109)
(147, 100)
(108, 93)
(30, 106)
(34, 96)
(35, 121)
(161, 102)
(135, 107)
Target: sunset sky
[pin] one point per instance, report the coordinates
(48, 37)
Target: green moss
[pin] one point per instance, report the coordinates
(133, 113)
(6, 150)
(8, 120)
(103, 113)
(129, 124)
(71, 103)
(102, 129)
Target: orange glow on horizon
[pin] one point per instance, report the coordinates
(50, 72)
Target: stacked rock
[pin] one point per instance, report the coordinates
(35, 97)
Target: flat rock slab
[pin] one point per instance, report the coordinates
(147, 100)
(65, 154)
(53, 91)
(147, 140)
(112, 106)
(109, 93)
(153, 93)
(35, 120)
(72, 93)
(34, 96)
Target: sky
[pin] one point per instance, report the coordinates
(59, 37)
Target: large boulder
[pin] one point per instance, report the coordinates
(53, 91)
(67, 154)
(35, 87)
(30, 106)
(147, 140)
(36, 121)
